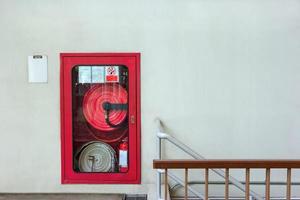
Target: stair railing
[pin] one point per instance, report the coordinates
(162, 135)
(229, 164)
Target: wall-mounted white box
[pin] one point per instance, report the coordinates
(37, 69)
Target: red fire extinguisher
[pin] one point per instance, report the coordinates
(123, 155)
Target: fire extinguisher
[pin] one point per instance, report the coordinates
(123, 155)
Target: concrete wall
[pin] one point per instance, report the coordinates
(224, 75)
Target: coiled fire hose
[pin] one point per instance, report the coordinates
(105, 106)
(96, 156)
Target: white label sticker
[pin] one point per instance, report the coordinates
(97, 74)
(85, 74)
(123, 158)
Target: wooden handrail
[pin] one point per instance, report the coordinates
(180, 164)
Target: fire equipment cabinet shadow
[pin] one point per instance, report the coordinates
(100, 118)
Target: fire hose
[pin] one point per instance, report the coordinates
(105, 106)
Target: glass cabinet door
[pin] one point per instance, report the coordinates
(100, 118)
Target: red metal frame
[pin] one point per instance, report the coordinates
(68, 61)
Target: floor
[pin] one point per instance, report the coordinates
(61, 196)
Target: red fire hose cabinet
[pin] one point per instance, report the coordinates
(100, 118)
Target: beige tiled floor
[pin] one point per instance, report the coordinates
(60, 197)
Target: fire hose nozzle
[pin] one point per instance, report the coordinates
(114, 106)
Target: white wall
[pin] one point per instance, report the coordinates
(224, 75)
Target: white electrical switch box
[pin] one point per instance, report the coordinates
(37, 69)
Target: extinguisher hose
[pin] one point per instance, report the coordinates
(108, 107)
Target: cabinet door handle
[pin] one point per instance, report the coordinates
(132, 119)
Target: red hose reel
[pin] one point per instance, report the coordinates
(105, 106)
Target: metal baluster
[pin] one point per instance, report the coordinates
(226, 184)
(186, 184)
(268, 174)
(288, 183)
(158, 174)
(247, 186)
(166, 184)
(206, 183)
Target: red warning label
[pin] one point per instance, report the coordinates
(112, 74)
